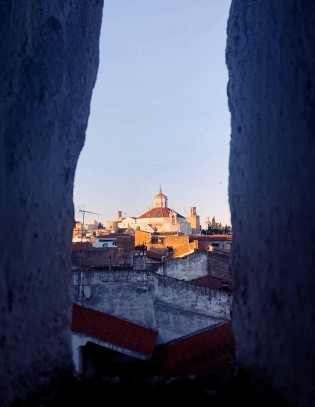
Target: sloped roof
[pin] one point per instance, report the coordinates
(106, 235)
(128, 231)
(158, 212)
(214, 283)
(209, 352)
(154, 255)
(211, 238)
(115, 331)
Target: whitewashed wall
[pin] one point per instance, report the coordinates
(152, 300)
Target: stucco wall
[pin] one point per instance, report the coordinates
(169, 240)
(192, 266)
(142, 237)
(152, 300)
(48, 66)
(183, 250)
(77, 341)
(142, 262)
(127, 241)
(176, 241)
(219, 266)
(271, 64)
(125, 294)
(174, 322)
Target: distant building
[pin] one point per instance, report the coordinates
(194, 220)
(92, 226)
(112, 225)
(104, 242)
(220, 243)
(119, 216)
(160, 218)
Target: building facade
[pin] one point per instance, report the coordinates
(160, 218)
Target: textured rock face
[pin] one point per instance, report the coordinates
(271, 63)
(48, 67)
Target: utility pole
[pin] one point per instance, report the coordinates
(207, 223)
(84, 212)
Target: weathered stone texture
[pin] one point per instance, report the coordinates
(187, 268)
(271, 64)
(155, 301)
(219, 266)
(48, 68)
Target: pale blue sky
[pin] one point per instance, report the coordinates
(159, 113)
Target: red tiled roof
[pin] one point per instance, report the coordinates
(211, 282)
(113, 330)
(159, 212)
(154, 255)
(210, 352)
(105, 235)
(210, 238)
(156, 213)
(77, 246)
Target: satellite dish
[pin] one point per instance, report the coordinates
(87, 291)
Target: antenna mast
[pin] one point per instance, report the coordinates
(84, 212)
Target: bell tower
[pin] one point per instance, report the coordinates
(160, 200)
(194, 220)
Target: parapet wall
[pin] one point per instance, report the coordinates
(152, 300)
(186, 268)
(125, 294)
(184, 250)
(219, 266)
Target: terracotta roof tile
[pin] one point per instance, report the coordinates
(209, 352)
(211, 238)
(159, 212)
(154, 255)
(111, 329)
(214, 283)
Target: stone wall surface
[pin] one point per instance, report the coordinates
(192, 266)
(219, 266)
(183, 250)
(48, 68)
(182, 294)
(152, 300)
(125, 294)
(145, 263)
(174, 322)
(271, 63)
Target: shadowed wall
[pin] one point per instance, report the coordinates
(271, 64)
(48, 67)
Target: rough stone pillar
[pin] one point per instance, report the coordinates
(48, 68)
(271, 64)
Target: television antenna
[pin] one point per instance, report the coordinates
(84, 212)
